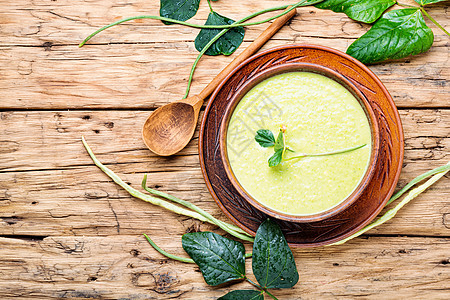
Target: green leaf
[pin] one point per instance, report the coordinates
(279, 144)
(276, 158)
(226, 44)
(367, 11)
(243, 295)
(265, 138)
(220, 259)
(426, 2)
(181, 10)
(395, 35)
(273, 263)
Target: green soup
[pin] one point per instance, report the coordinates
(321, 116)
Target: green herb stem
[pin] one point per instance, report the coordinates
(417, 180)
(221, 33)
(214, 39)
(392, 212)
(265, 290)
(210, 7)
(284, 147)
(291, 7)
(180, 22)
(236, 24)
(231, 229)
(326, 153)
(131, 19)
(135, 193)
(179, 258)
(199, 56)
(434, 21)
(254, 283)
(147, 198)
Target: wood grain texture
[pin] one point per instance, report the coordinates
(55, 74)
(67, 231)
(35, 22)
(127, 267)
(30, 140)
(74, 197)
(148, 76)
(83, 201)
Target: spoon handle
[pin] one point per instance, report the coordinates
(249, 51)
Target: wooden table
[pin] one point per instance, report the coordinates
(67, 231)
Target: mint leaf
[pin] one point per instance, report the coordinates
(226, 44)
(181, 10)
(265, 138)
(276, 158)
(273, 263)
(367, 11)
(243, 295)
(397, 34)
(279, 144)
(220, 259)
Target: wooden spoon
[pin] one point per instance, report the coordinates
(170, 127)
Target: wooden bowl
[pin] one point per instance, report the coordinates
(375, 193)
(301, 67)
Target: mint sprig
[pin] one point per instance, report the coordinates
(266, 139)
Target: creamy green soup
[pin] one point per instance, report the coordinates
(321, 116)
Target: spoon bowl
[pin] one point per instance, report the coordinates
(170, 127)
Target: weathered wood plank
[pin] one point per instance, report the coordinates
(124, 76)
(48, 179)
(31, 140)
(83, 201)
(45, 23)
(148, 76)
(69, 232)
(127, 267)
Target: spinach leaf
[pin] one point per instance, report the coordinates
(276, 158)
(220, 259)
(273, 263)
(265, 138)
(367, 11)
(395, 35)
(226, 44)
(181, 10)
(426, 2)
(243, 295)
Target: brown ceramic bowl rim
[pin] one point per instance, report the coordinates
(329, 73)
